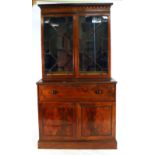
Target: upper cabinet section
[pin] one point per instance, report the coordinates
(76, 41)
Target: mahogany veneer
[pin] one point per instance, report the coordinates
(76, 110)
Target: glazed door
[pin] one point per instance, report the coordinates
(57, 120)
(96, 120)
(57, 46)
(94, 46)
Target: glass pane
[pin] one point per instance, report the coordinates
(93, 44)
(58, 44)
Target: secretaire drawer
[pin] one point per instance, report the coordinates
(94, 91)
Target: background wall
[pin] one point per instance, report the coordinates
(133, 66)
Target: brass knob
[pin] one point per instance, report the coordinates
(54, 92)
(98, 91)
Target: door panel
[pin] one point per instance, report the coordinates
(96, 120)
(57, 120)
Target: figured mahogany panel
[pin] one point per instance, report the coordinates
(57, 120)
(96, 120)
(95, 91)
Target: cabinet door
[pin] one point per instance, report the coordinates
(96, 120)
(56, 120)
(58, 46)
(94, 45)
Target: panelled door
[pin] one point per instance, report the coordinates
(96, 120)
(57, 120)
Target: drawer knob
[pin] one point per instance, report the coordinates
(54, 92)
(98, 91)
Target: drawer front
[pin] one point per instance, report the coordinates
(92, 91)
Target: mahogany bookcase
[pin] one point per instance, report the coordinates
(76, 95)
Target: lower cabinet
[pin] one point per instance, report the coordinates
(77, 120)
(77, 115)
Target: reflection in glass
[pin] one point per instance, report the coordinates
(58, 44)
(93, 44)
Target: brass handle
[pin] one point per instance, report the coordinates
(54, 92)
(98, 91)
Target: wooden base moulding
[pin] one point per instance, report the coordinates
(110, 144)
